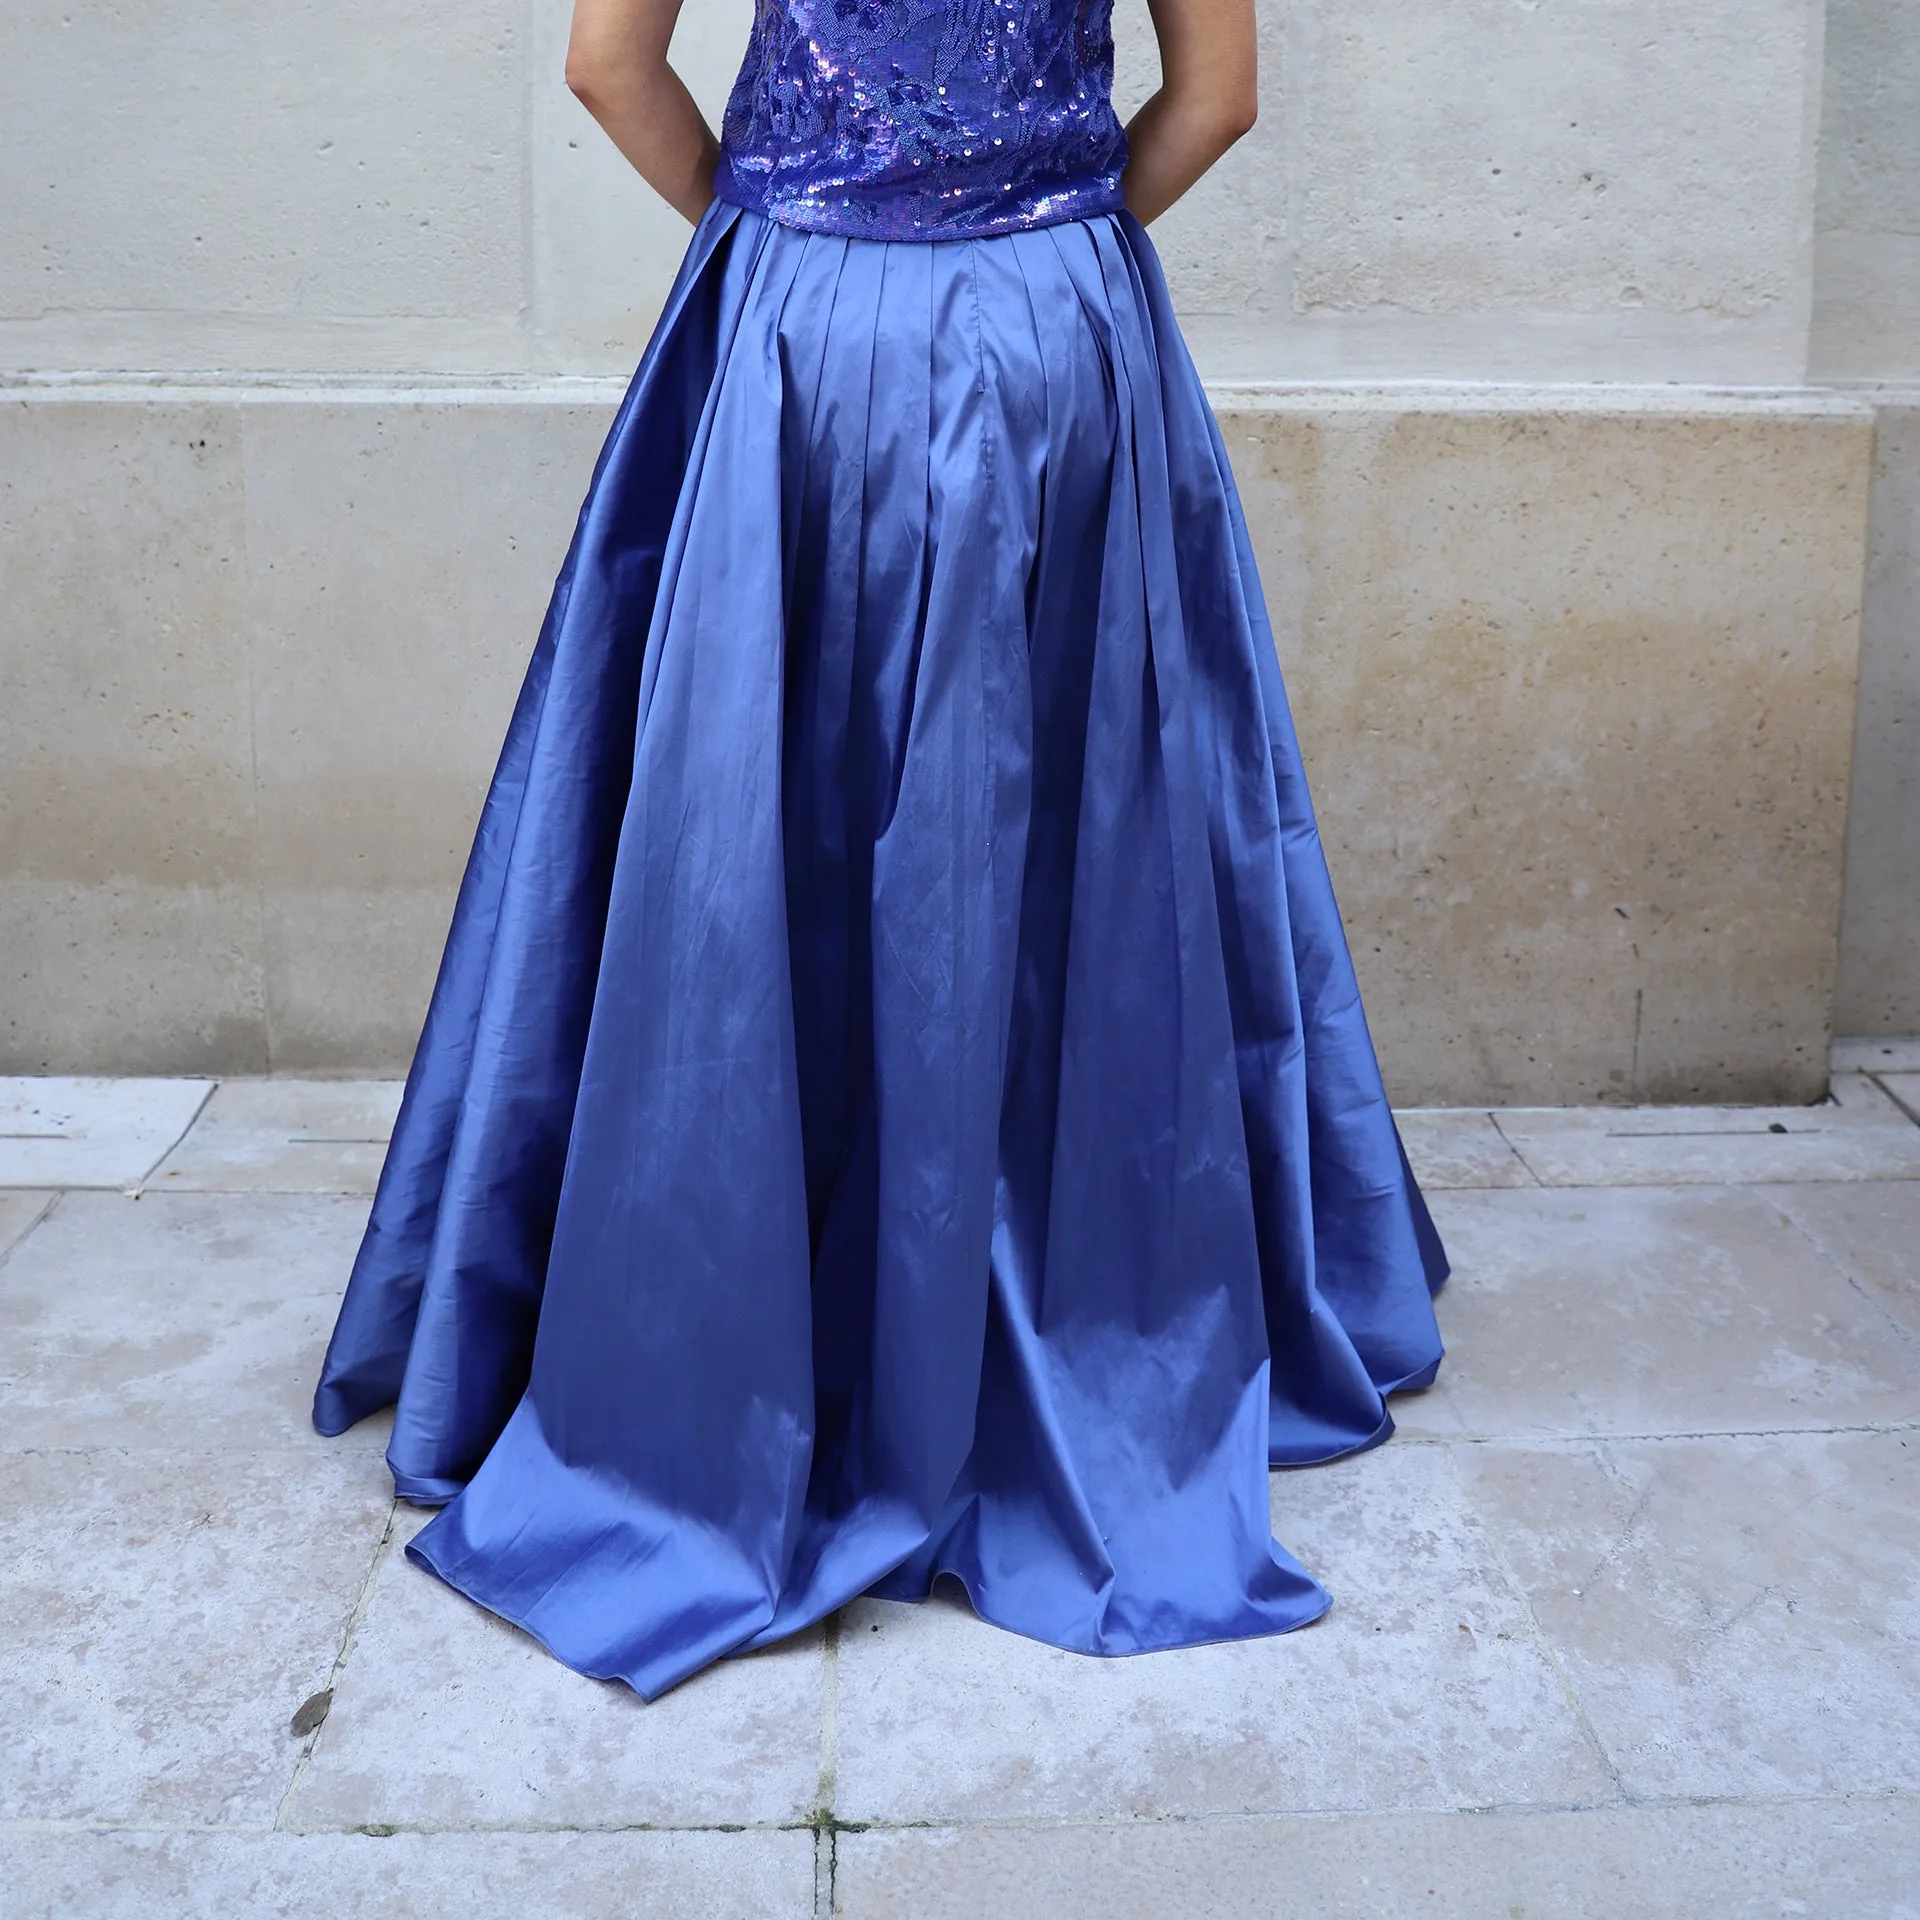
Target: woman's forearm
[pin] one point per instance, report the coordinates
(1208, 97)
(617, 66)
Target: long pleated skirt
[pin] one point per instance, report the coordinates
(896, 1101)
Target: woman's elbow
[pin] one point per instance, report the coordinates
(583, 75)
(1239, 110)
(592, 68)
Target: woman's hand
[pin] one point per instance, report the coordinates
(617, 65)
(1208, 97)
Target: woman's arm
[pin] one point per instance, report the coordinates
(1209, 94)
(617, 65)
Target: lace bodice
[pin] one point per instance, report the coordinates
(924, 119)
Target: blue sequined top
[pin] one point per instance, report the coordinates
(924, 119)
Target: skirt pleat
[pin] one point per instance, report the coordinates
(896, 1102)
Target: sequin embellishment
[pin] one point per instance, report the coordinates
(924, 119)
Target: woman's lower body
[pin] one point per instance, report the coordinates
(896, 1100)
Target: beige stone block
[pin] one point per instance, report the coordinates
(1456, 1147)
(178, 1321)
(1532, 167)
(1831, 1859)
(285, 1136)
(1735, 1615)
(1866, 315)
(1422, 1688)
(1879, 984)
(446, 1716)
(1575, 684)
(162, 1617)
(1636, 1311)
(411, 1876)
(605, 245)
(1858, 1133)
(1866, 310)
(129, 920)
(91, 1133)
(392, 613)
(297, 171)
(1872, 1234)
(1485, 158)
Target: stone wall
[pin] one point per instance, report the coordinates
(1528, 190)
(1866, 336)
(310, 320)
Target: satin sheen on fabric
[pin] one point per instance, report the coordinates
(896, 1100)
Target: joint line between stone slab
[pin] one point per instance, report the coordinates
(1846, 1273)
(1909, 1113)
(200, 1106)
(33, 1226)
(1549, 1442)
(1513, 1146)
(826, 1852)
(1548, 1652)
(347, 1638)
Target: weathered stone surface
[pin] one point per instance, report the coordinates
(20, 1209)
(1576, 693)
(284, 1136)
(160, 1618)
(1878, 991)
(1537, 168)
(303, 201)
(1905, 1088)
(1637, 1311)
(1737, 1615)
(127, 877)
(1874, 1053)
(89, 1132)
(1858, 1133)
(1872, 1234)
(411, 1876)
(605, 245)
(1667, 1863)
(446, 1716)
(1530, 705)
(1422, 1688)
(177, 1321)
(1457, 1147)
(383, 688)
(1866, 310)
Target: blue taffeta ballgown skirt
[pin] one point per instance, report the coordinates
(895, 1101)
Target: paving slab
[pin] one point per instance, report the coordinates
(20, 1208)
(176, 1321)
(285, 1136)
(1458, 1147)
(1637, 1310)
(446, 1716)
(1877, 1053)
(1860, 1133)
(161, 1617)
(410, 1876)
(91, 1133)
(1905, 1088)
(1737, 1616)
(1872, 1234)
(1423, 1688)
(1841, 1860)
